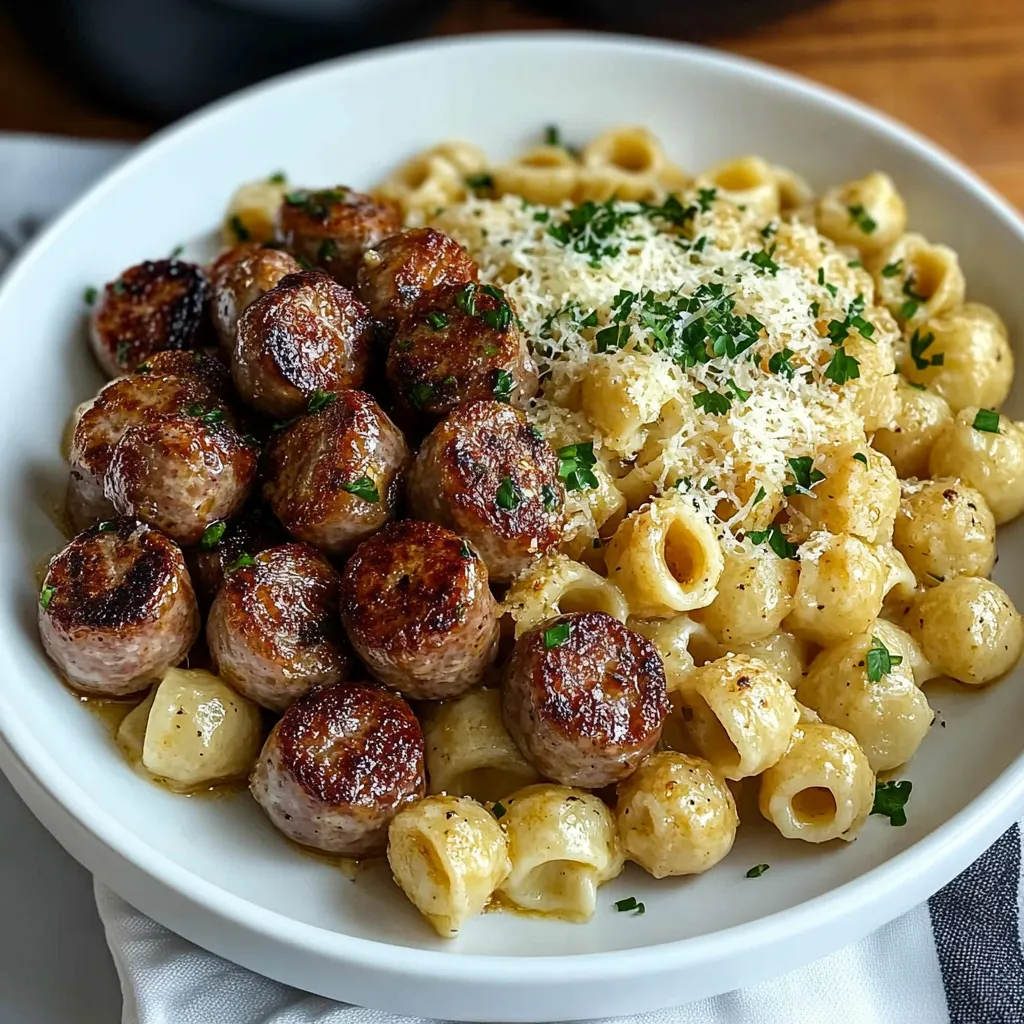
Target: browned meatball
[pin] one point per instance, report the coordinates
(462, 343)
(584, 699)
(223, 543)
(306, 335)
(341, 763)
(334, 476)
(117, 609)
(333, 227)
(418, 610)
(197, 364)
(489, 476)
(181, 473)
(124, 403)
(395, 275)
(238, 277)
(273, 630)
(152, 306)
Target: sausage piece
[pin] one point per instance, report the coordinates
(341, 763)
(395, 275)
(238, 277)
(223, 543)
(273, 630)
(335, 475)
(489, 476)
(332, 227)
(124, 403)
(117, 609)
(181, 473)
(460, 344)
(584, 699)
(152, 306)
(418, 610)
(308, 334)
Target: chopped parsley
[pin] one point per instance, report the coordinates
(760, 496)
(806, 476)
(243, 561)
(831, 288)
(575, 462)
(737, 390)
(587, 228)
(420, 393)
(757, 870)
(880, 660)
(499, 318)
(914, 299)
(503, 385)
(715, 403)
(762, 259)
(630, 903)
(892, 269)
(919, 344)
(861, 457)
(498, 809)
(465, 298)
(177, 251)
(107, 526)
(860, 217)
(437, 320)
(363, 488)
(555, 636)
(780, 364)
(316, 204)
(89, 295)
(123, 349)
(842, 367)
(465, 550)
(508, 496)
(212, 535)
(277, 178)
(549, 496)
(46, 596)
(891, 800)
(320, 400)
(208, 416)
(705, 197)
(776, 541)
(986, 420)
(482, 182)
(327, 250)
(238, 229)
(613, 337)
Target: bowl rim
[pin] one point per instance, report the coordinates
(938, 855)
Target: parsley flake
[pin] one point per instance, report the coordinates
(555, 636)
(861, 457)
(498, 809)
(880, 660)
(986, 420)
(46, 596)
(780, 364)
(705, 197)
(760, 496)
(575, 462)
(842, 367)
(243, 561)
(776, 541)
(630, 903)
(805, 475)
(715, 403)
(757, 870)
(277, 178)
(763, 260)
(892, 269)
(363, 488)
(437, 320)
(89, 295)
(508, 496)
(238, 229)
(891, 800)
(503, 385)
(320, 400)
(860, 217)
(212, 535)
(919, 344)
(549, 496)
(465, 550)
(483, 182)
(419, 394)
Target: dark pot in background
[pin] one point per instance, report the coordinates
(162, 58)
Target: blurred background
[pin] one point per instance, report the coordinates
(953, 69)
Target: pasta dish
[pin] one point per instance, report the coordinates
(508, 520)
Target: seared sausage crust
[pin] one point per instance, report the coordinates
(334, 476)
(417, 607)
(124, 403)
(273, 630)
(306, 334)
(152, 306)
(202, 365)
(584, 699)
(238, 277)
(486, 474)
(395, 275)
(461, 343)
(117, 608)
(253, 531)
(341, 763)
(333, 227)
(180, 474)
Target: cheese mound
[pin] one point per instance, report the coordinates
(655, 328)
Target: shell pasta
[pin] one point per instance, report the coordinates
(599, 497)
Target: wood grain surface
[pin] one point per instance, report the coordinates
(953, 69)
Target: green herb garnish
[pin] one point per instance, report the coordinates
(758, 870)
(320, 400)
(842, 367)
(919, 344)
(46, 596)
(880, 660)
(705, 197)
(555, 636)
(630, 903)
(805, 475)
(240, 231)
(776, 541)
(212, 535)
(860, 217)
(437, 320)
(277, 178)
(861, 457)
(986, 420)
(575, 462)
(549, 496)
(716, 403)
(498, 809)
(508, 496)
(89, 295)
(503, 385)
(465, 550)
(891, 800)
(780, 363)
(241, 562)
(892, 269)
(482, 182)
(363, 488)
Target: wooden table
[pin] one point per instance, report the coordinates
(953, 69)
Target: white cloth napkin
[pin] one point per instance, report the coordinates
(958, 959)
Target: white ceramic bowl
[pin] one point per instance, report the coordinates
(215, 871)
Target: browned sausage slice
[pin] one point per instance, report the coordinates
(418, 610)
(117, 609)
(584, 699)
(341, 763)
